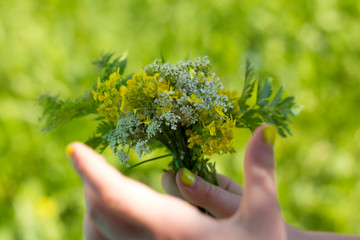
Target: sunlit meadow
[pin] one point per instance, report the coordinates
(311, 47)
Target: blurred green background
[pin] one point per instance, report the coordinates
(310, 46)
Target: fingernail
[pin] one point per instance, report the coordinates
(187, 177)
(69, 150)
(269, 134)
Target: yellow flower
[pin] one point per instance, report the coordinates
(114, 77)
(124, 106)
(95, 94)
(213, 146)
(109, 97)
(147, 121)
(219, 110)
(194, 98)
(177, 93)
(191, 73)
(165, 109)
(123, 91)
(194, 140)
(162, 86)
(150, 86)
(212, 128)
(141, 116)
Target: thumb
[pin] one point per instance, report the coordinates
(260, 208)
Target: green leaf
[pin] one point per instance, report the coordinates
(108, 65)
(57, 112)
(264, 92)
(249, 72)
(104, 128)
(277, 97)
(122, 65)
(98, 140)
(94, 141)
(248, 86)
(249, 120)
(103, 61)
(272, 110)
(163, 61)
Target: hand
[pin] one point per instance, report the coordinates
(220, 201)
(224, 201)
(121, 208)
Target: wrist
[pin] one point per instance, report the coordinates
(295, 233)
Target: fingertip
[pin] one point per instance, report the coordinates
(73, 147)
(186, 177)
(70, 153)
(77, 146)
(69, 149)
(260, 151)
(187, 182)
(82, 157)
(266, 134)
(269, 133)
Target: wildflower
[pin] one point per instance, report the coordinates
(219, 110)
(212, 129)
(194, 140)
(194, 99)
(147, 121)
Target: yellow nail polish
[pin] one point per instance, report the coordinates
(269, 134)
(187, 177)
(69, 150)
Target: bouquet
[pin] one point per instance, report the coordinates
(182, 106)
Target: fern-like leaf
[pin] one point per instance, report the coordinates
(57, 112)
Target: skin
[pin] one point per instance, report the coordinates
(223, 202)
(122, 208)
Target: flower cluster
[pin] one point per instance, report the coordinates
(109, 98)
(182, 106)
(164, 100)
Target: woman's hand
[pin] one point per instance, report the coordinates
(224, 201)
(220, 201)
(121, 208)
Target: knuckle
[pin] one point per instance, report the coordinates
(211, 193)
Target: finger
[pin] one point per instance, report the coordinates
(229, 185)
(90, 230)
(168, 182)
(260, 206)
(110, 224)
(170, 186)
(133, 200)
(218, 201)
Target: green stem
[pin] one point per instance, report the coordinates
(148, 160)
(168, 143)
